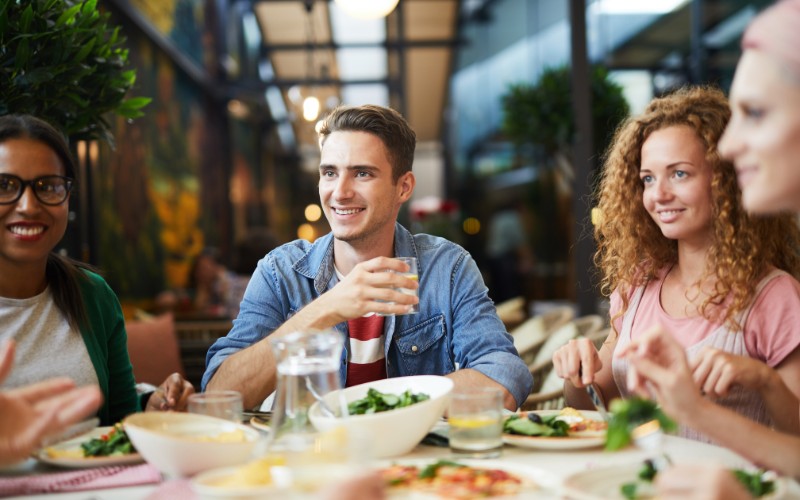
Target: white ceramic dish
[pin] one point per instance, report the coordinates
(395, 432)
(74, 446)
(603, 483)
(177, 443)
(576, 441)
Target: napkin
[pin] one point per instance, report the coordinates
(85, 479)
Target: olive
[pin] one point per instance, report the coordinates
(535, 418)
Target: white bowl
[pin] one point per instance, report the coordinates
(394, 432)
(181, 444)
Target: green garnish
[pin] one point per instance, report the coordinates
(626, 414)
(114, 443)
(754, 482)
(430, 470)
(549, 426)
(376, 402)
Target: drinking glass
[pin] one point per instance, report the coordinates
(475, 417)
(414, 275)
(220, 404)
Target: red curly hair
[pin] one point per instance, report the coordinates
(631, 247)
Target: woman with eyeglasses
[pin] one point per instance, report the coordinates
(63, 317)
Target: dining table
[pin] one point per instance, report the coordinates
(553, 470)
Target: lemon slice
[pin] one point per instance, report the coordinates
(471, 422)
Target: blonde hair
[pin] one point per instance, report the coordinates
(631, 247)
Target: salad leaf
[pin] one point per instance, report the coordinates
(754, 482)
(376, 402)
(114, 443)
(550, 426)
(626, 414)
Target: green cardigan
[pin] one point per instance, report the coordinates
(107, 343)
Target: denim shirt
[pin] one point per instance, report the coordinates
(457, 325)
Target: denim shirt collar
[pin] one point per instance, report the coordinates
(317, 263)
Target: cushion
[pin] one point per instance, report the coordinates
(153, 349)
(556, 339)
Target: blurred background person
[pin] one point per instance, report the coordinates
(509, 255)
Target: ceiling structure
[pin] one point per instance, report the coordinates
(312, 47)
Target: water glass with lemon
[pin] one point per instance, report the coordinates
(411, 274)
(475, 417)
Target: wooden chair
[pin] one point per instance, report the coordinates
(194, 339)
(512, 312)
(599, 336)
(153, 349)
(548, 388)
(532, 334)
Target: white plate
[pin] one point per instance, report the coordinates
(85, 462)
(576, 441)
(604, 483)
(541, 481)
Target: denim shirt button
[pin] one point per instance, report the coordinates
(414, 348)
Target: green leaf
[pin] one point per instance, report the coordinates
(68, 16)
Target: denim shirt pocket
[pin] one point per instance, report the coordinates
(424, 349)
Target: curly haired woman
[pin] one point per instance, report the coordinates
(677, 249)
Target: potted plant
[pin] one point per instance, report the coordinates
(61, 61)
(539, 117)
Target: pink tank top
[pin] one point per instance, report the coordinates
(747, 403)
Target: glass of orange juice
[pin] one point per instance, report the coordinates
(475, 417)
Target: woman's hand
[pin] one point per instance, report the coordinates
(717, 371)
(31, 413)
(659, 369)
(172, 395)
(700, 483)
(577, 362)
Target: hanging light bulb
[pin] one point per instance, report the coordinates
(310, 108)
(367, 9)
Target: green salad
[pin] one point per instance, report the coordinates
(536, 425)
(754, 482)
(114, 443)
(376, 402)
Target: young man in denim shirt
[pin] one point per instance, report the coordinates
(365, 177)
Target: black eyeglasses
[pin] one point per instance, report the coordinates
(49, 189)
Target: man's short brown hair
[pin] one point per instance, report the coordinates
(384, 123)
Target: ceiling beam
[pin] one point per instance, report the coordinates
(408, 44)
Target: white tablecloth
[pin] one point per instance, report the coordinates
(551, 468)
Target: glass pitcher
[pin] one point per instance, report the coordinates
(308, 369)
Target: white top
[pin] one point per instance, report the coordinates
(46, 345)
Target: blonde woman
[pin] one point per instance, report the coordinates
(676, 248)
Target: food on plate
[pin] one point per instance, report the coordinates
(627, 414)
(454, 480)
(568, 422)
(376, 402)
(113, 443)
(256, 473)
(757, 483)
